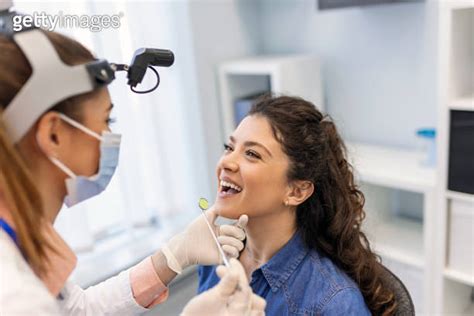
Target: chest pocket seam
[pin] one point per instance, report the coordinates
(292, 307)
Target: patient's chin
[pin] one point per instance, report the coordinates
(229, 213)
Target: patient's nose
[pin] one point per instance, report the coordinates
(229, 163)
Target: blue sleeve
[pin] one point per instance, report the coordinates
(207, 278)
(348, 301)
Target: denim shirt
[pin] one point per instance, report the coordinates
(299, 281)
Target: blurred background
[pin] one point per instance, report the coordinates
(396, 76)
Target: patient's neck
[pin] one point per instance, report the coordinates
(266, 235)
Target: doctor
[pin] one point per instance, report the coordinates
(55, 147)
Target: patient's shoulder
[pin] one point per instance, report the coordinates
(324, 267)
(318, 284)
(347, 301)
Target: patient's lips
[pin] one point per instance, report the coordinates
(228, 188)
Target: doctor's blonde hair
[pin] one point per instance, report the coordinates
(17, 187)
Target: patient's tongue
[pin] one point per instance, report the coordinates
(232, 191)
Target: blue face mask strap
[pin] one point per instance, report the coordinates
(9, 230)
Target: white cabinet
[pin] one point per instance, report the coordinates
(296, 75)
(399, 212)
(429, 241)
(460, 261)
(453, 259)
(413, 279)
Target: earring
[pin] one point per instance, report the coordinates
(286, 203)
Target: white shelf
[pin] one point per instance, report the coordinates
(457, 299)
(463, 104)
(399, 239)
(466, 197)
(461, 310)
(413, 278)
(447, 291)
(391, 167)
(459, 4)
(259, 65)
(297, 75)
(459, 276)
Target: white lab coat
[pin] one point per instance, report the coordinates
(23, 293)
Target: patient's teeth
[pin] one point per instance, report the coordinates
(230, 185)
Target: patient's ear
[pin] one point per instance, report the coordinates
(300, 191)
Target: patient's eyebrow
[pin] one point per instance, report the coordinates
(250, 143)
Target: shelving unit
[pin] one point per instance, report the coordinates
(297, 75)
(435, 247)
(401, 240)
(460, 196)
(453, 260)
(399, 199)
(457, 299)
(461, 277)
(465, 103)
(404, 171)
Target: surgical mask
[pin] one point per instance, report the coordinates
(81, 188)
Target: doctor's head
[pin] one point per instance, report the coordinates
(52, 136)
(27, 176)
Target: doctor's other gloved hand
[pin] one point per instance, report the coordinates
(197, 246)
(232, 296)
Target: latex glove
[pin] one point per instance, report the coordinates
(225, 299)
(196, 245)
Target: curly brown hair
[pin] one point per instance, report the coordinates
(330, 219)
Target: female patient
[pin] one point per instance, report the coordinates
(285, 166)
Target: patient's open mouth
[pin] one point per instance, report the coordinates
(229, 188)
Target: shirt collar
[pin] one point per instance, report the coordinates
(279, 268)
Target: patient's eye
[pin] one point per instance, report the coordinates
(253, 154)
(228, 148)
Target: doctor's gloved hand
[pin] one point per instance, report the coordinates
(232, 296)
(196, 245)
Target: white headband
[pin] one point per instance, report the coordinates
(51, 81)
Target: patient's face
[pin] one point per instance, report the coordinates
(255, 167)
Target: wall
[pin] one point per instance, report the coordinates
(378, 63)
(221, 30)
